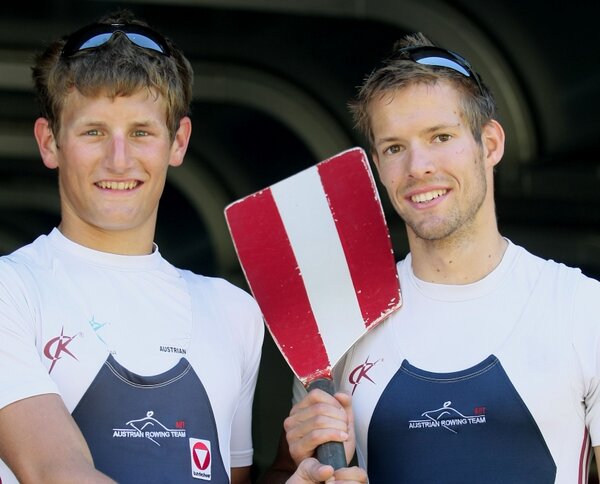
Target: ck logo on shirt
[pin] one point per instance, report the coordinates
(361, 372)
(200, 459)
(56, 347)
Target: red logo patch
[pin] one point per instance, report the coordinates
(360, 372)
(201, 455)
(55, 348)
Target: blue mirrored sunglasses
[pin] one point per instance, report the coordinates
(96, 35)
(438, 57)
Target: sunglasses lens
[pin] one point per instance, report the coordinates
(145, 42)
(95, 41)
(438, 57)
(96, 35)
(443, 62)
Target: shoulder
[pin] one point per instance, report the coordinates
(236, 313)
(25, 266)
(225, 301)
(403, 266)
(568, 281)
(35, 254)
(560, 275)
(586, 297)
(570, 292)
(219, 288)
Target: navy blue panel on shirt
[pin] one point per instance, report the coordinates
(467, 427)
(157, 429)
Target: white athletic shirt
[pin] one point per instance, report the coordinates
(157, 365)
(490, 382)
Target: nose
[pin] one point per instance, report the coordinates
(420, 162)
(117, 156)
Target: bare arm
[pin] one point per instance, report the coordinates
(282, 467)
(40, 442)
(240, 475)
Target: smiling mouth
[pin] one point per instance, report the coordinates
(428, 196)
(117, 185)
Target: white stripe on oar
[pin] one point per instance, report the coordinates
(310, 227)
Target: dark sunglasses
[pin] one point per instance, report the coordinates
(438, 57)
(95, 35)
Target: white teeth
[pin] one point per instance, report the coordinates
(114, 185)
(427, 196)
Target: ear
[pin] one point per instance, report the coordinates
(180, 143)
(46, 142)
(492, 137)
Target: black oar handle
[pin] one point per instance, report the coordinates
(331, 453)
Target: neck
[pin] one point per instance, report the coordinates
(112, 242)
(460, 261)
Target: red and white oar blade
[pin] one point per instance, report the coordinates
(317, 255)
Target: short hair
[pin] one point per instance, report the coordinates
(398, 71)
(116, 68)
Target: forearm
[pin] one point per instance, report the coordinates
(40, 442)
(69, 474)
(62, 468)
(282, 467)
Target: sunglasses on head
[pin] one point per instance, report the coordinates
(96, 35)
(438, 57)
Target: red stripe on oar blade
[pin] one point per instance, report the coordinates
(253, 221)
(361, 226)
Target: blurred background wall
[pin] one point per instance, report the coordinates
(272, 81)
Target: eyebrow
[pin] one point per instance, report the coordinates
(91, 122)
(386, 140)
(440, 127)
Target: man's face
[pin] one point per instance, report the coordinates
(112, 157)
(430, 164)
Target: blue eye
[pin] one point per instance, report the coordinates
(393, 149)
